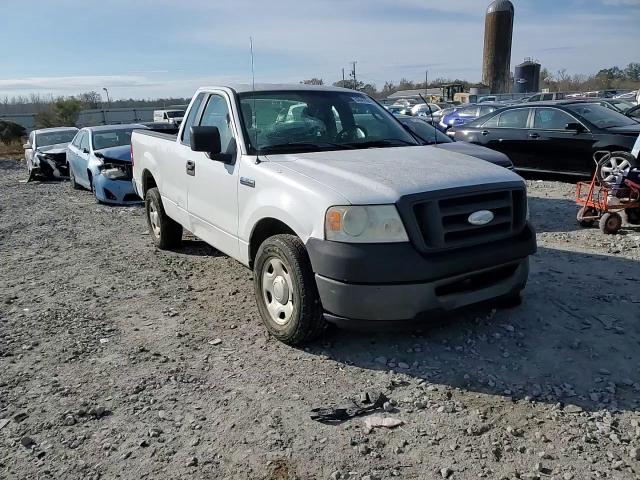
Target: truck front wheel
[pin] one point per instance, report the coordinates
(165, 232)
(286, 291)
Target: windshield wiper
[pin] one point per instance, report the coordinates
(393, 142)
(305, 145)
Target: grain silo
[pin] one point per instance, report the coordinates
(526, 78)
(498, 32)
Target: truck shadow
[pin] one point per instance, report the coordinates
(553, 214)
(575, 339)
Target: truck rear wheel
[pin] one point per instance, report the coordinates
(286, 291)
(165, 232)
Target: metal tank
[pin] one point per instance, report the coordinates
(498, 32)
(526, 78)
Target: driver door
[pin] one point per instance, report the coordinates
(212, 183)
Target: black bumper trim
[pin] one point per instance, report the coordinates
(398, 263)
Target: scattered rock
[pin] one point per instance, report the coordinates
(27, 442)
(215, 341)
(192, 462)
(379, 422)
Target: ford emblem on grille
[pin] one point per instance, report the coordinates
(481, 217)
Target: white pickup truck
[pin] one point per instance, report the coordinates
(342, 216)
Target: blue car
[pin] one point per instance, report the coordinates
(467, 113)
(99, 160)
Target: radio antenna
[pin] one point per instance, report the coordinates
(435, 129)
(253, 113)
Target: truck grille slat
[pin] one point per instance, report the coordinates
(443, 222)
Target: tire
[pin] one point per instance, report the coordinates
(611, 167)
(610, 223)
(586, 212)
(301, 319)
(72, 180)
(165, 232)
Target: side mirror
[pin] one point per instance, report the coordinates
(206, 139)
(575, 126)
(26, 146)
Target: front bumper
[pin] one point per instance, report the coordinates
(117, 192)
(394, 282)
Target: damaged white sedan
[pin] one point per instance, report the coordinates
(45, 152)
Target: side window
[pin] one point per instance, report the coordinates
(485, 110)
(216, 114)
(547, 96)
(191, 118)
(492, 122)
(514, 118)
(84, 142)
(535, 98)
(551, 119)
(32, 139)
(469, 112)
(78, 139)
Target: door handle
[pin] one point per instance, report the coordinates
(485, 132)
(191, 168)
(534, 135)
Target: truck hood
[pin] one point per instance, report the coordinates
(53, 149)
(123, 153)
(383, 175)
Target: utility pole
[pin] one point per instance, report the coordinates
(108, 100)
(426, 82)
(353, 73)
(343, 77)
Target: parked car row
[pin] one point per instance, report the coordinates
(559, 136)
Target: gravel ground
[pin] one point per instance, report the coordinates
(118, 360)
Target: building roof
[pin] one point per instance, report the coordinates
(500, 6)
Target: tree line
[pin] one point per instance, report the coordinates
(36, 103)
(627, 78)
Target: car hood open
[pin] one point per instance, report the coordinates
(383, 175)
(53, 149)
(122, 153)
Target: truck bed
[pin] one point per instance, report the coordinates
(151, 133)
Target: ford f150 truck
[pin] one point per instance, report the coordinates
(341, 214)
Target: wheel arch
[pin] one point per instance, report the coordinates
(148, 181)
(263, 229)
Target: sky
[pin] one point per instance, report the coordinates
(165, 48)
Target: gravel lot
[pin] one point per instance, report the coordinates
(121, 361)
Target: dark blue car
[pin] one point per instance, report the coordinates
(467, 113)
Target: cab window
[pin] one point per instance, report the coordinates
(216, 114)
(191, 118)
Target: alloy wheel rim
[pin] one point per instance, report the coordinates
(614, 169)
(277, 290)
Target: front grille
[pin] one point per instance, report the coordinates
(442, 223)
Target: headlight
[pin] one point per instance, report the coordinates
(364, 224)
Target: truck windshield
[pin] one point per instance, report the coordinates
(315, 120)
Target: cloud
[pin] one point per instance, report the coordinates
(74, 83)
